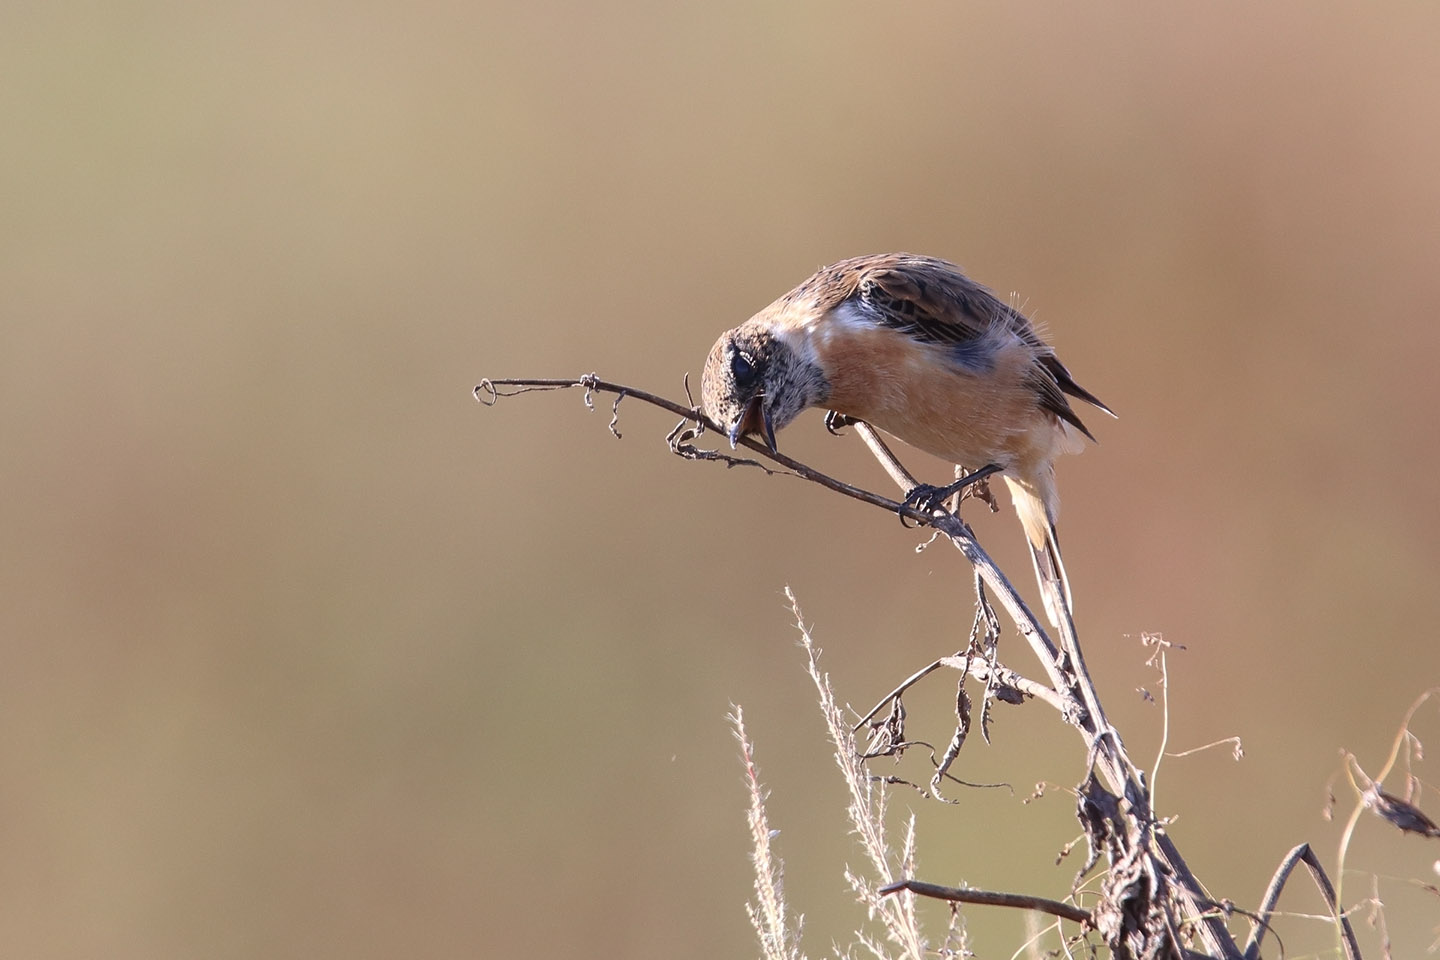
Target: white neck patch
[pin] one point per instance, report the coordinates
(800, 340)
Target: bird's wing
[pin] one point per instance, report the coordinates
(933, 302)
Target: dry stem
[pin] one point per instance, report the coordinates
(1151, 904)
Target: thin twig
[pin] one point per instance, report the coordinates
(1371, 789)
(1237, 748)
(1164, 723)
(981, 670)
(1301, 854)
(905, 684)
(489, 392)
(989, 898)
(987, 673)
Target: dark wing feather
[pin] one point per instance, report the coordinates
(1067, 383)
(1052, 398)
(931, 300)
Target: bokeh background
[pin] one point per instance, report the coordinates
(305, 653)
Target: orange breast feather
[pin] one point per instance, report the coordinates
(914, 391)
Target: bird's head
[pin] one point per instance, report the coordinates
(756, 382)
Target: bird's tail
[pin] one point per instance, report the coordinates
(1037, 504)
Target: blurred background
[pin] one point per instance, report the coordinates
(305, 653)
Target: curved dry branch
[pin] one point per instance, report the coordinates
(1260, 923)
(489, 392)
(1151, 892)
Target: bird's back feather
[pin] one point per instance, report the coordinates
(931, 301)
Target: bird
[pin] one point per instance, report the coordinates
(911, 345)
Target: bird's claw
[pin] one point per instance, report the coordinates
(923, 497)
(835, 421)
(927, 498)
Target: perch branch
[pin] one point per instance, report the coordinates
(489, 392)
(1143, 836)
(1105, 746)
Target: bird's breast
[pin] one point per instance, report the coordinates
(975, 410)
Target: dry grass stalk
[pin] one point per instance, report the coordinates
(778, 939)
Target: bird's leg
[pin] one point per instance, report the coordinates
(835, 420)
(925, 498)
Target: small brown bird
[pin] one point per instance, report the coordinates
(911, 345)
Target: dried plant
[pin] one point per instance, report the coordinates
(779, 940)
(867, 819)
(1148, 904)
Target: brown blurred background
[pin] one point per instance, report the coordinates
(307, 654)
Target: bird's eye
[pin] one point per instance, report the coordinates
(743, 369)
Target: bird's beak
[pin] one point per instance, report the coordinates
(756, 419)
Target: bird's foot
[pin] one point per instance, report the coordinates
(927, 498)
(835, 421)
